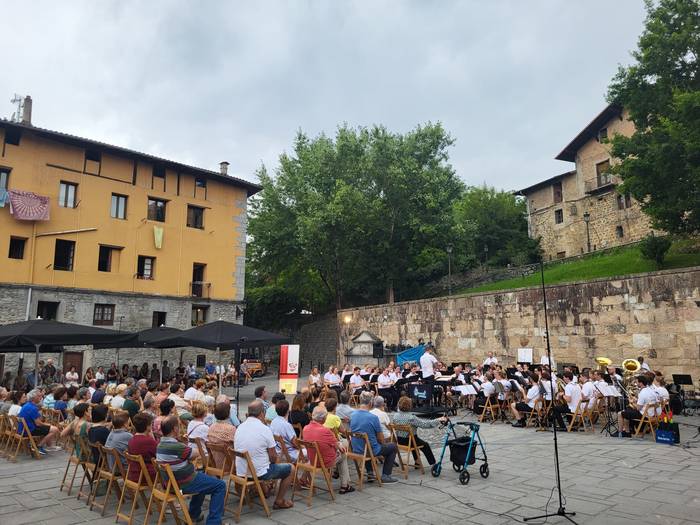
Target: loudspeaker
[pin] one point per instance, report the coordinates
(201, 360)
(378, 350)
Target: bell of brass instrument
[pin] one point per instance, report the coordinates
(603, 363)
(629, 381)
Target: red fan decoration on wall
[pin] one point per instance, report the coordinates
(28, 206)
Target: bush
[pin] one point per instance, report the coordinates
(655, 248)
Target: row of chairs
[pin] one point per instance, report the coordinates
(12, 441)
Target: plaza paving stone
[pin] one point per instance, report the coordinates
(605, 481)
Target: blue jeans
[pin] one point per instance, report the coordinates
(200, 486)
(277, 471)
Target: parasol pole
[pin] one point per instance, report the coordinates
(37, 379)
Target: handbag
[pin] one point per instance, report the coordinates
(668, 433)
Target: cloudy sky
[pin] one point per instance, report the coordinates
(201, 82)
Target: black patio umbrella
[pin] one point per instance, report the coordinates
(223, 335)
(16, 337)
(144, 339)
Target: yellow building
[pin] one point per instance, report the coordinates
(132, 240)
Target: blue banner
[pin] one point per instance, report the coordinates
(412, 355)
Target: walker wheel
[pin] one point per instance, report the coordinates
(464, 477)
(435, 470)
(484, 470)
(457, 467)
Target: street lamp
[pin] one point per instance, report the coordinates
(448, 249)
(587, 220)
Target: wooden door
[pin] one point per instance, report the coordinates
(73, 359)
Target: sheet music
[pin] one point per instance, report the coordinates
(465, 390)
(611, 391)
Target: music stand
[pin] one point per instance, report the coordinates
(682, 379)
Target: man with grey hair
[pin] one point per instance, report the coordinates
(384, 419)
(256, 438)
(363, 421)
(233, 418)
(332, 451)
(35, 424)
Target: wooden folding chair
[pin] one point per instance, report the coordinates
(89, 469)
(135, 489)
(24, 439)
(243, 483)
(6, 434)
(284, 451)
(412, 449)
(312, 468)
(299, 430)
(579, 416)
(78, 458)
(218, 462)
(649, 421)
(360, 460)
(166, 493)
(535, 415)
(490, 409)
(111, 474)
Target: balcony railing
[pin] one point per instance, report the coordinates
(200, 289)
(595, 185)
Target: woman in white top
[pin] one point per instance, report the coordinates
(18, 399)
(315, 378)
(72, 377)
(100, 374)
(118, 400)
(197, 428)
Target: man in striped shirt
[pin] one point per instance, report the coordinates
(178, 456)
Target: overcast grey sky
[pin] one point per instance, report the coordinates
(201, 82)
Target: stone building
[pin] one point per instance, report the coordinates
(119, 239)
(580, 210)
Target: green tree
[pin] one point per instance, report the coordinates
(490, 226)
(655, 248)
(660, 163)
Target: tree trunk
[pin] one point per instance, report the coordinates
(390, 291)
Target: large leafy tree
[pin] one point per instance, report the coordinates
(350, 220)
(660, 163)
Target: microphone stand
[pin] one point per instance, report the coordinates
(561, 511)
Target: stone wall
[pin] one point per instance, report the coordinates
(656, 315)
(318, 342)
(132, 312)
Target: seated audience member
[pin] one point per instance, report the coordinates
(197, 428)
(384, 419)
(132, 403)
(5, 401)
(196, 391)
(333, 422)
(49, 400)
(142, 444)
(182, 407)
(61, 400)
(332, 451)
(99, 394)
(261, 395)
(404, 416)
(99, 429)
(78, 427)
(211, 418)
(256, 438)
(166, 408)
(283, 428)
(36, 426)
(119, 437)
(344, 410)
(162, 393)
(298, 415)
(271, 411)
(222, 431)
(179, 455)
(118, 400)
(363, 421)
(19, 398)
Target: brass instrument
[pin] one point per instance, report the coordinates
(629, 380)
(603, 363)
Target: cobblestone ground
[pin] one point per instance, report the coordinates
(605, 481)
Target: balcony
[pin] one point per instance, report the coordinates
(601, 185)
(200, 289)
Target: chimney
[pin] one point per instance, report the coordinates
(224, 167)
(27, 111)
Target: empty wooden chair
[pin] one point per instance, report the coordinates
(111, 471)
(491, 409)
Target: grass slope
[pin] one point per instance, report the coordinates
(622, 261)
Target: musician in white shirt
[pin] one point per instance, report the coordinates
(356, 381)
(385, 388)
(571, 395)
(643, 365)
(347, 371)
(315, 378)
(522, 408)
(490, 360)
(646, 396)
(427, 364)
(659, 386)
(588, 390)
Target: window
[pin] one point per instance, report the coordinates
(557, 192)
(159, 319)
(200, 182)
(195, 217)
(603, 134)
(108, 259)
(4, 176)
(118, 208)
(12, 136)
(619, 232)
(93, 161)
(66, 194)
(198, 284)
(159, 171)
(199, 315)
(17, 247)
(558, 216)
(103, 314)
(602, 170)
(145, 268)
(561, 255)
(628, 200)
(63, 256)
(620, 202)
(156, 210)
(92, 155)
(47, 310)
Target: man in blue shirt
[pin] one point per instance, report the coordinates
(35, 425)
(362, 421)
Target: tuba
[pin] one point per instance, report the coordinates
(629, 381)
(603, 363)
